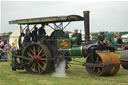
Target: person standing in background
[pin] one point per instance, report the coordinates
(119, 41)
(7, 49)
(2, 44)
(34, 34)
(41, 31)
(13, 48)
(27, 37)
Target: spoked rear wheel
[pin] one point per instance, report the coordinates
(40, 56)
(104, 63)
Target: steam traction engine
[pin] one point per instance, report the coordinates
(41, 56)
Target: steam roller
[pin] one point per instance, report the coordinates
(42, 56)
(124, 58)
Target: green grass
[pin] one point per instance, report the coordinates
(76, 75)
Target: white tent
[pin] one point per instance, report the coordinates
(125, 38)
(13, 38)
(48, 31)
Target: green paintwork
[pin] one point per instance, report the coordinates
(47, 19)
(75, 51)
(15, 64)
(40, 20)
(109, 36)
(22, 57)
(64, 43)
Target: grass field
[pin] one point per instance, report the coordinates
(76, 75)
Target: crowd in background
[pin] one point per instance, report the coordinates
(6, 48)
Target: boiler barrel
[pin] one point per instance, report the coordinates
(75, 51)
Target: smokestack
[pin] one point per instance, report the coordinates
(86, 27)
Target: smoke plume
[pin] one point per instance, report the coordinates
(60, 69)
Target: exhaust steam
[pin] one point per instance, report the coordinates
(60, 69)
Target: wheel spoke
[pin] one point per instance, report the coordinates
(43, 59)
(34, 66)
(40, 66)
(44, 66)
(98, 70)
(38, 48)
(97, 59)
(39, 52)
(34, 50)
(29, 54)
(44, 63)
(43, 55)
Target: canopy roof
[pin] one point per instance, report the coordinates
(53, 19)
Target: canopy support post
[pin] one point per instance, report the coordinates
(66, 25)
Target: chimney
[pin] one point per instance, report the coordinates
(86, 26)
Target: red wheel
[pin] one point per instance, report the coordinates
(40, 58)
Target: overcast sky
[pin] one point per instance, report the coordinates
(104, 15)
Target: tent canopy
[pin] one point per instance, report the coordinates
(15, 33)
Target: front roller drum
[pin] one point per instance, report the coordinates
(103, 64)
(124, 59)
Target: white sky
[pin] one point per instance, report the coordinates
(104, 15)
